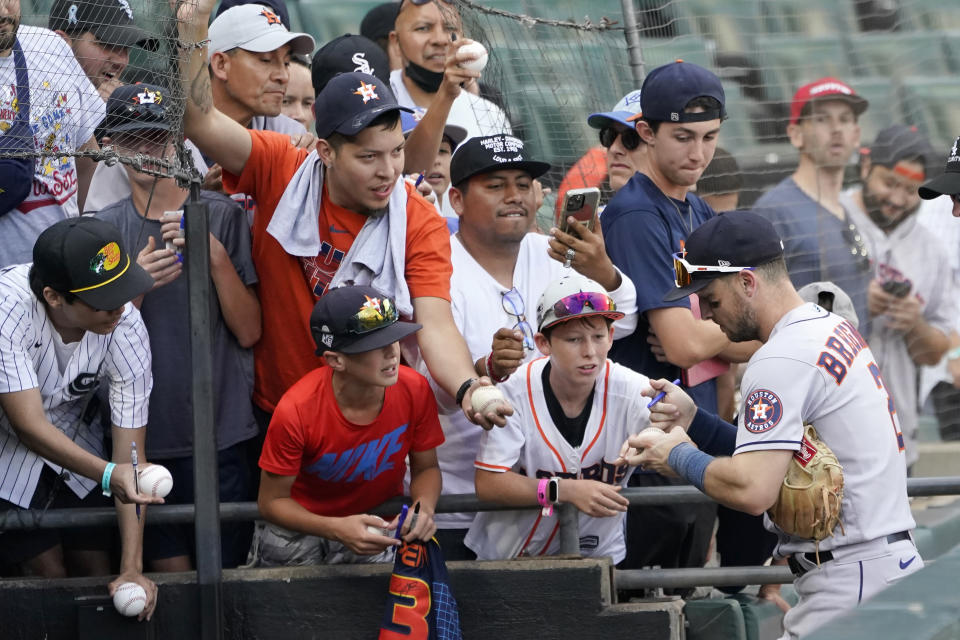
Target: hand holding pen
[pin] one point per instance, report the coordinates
(670, 405)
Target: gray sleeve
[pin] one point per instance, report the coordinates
(229, 225)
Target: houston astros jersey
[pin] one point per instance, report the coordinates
(816, 369)
(28, 360)
(530, 444)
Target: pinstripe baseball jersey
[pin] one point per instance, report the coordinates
(817, 369)
(530, 444)
(28, 360)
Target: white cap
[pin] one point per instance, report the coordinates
(254, 27)
(565, 292)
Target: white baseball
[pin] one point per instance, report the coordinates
(485, 399)
(478, 54)
(130, 599)
(155, 481)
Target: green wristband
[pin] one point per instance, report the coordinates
(105, 480)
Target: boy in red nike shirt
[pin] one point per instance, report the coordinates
(337, 444)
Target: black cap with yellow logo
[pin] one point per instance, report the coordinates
(86, 257)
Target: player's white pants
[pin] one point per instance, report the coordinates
(857, 573)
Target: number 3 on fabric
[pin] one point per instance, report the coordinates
(875, 371)
(410, 600)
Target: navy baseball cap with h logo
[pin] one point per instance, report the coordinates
(350, 102)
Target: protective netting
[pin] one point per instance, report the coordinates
(98, 41)
(556, 62)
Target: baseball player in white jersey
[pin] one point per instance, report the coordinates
(573, 410)
(66, 323)
(814, 368)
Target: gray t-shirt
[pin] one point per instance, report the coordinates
(165, 312)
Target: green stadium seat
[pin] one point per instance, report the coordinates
(731, 25)
(808, 17)
(951, 45)
(714, 619)
(326, 20)
(737, 132)
(896, 55)
(885, 107)
(788, 62)
(933, 104)
(932, 14)
(656, 51)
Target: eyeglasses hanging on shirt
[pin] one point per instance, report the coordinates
(513, 304)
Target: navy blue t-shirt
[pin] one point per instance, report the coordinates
(642, 228)
(817, 245)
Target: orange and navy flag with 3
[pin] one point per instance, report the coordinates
(420, 604)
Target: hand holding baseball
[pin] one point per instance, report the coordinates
(126, 591)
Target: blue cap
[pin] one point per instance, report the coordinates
(624, 112)
(668, 88)
(137, 107)
(731, 239)
(350, 102)
(409, 122)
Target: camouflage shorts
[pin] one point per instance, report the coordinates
(275, 546)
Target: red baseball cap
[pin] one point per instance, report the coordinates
(825, 88)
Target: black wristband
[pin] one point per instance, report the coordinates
(462, 391)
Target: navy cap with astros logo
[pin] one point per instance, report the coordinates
(86, 257)
(350, 102)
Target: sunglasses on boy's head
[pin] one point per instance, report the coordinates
(575, 303)
(376, 313)
(684, 271)
(629, 138)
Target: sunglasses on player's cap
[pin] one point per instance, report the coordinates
(727, 243)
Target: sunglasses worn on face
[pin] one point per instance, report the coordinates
(513, 305)
(683, 271)
(629, 138)
(376, 313)
(575, 303)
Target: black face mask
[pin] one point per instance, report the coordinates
(427, 80)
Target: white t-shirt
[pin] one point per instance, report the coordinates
(65, 108)
(937, 216)
(477, 306)
(816, 369)
(28, 360)
(477, 115)
(906, 254)
(531, 445)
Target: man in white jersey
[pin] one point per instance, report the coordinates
(500, 269)
(913, 306)
(573, 410)
(814, 368)
(65, 108)
(65, 324)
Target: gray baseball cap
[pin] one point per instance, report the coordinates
(832, 298)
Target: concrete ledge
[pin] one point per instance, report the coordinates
(545, 598)
(937, 459)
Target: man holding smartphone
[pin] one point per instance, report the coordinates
(500, 270)
(682, 107)
(913, 307)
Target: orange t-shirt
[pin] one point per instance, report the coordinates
(285, 352)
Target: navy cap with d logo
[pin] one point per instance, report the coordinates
(668, 89)
(350, 102)
(86, 257)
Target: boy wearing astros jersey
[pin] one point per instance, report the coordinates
(573, 410)
(813, 368)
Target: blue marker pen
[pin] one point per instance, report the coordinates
(403, 517)
(657, 398)
(136, 476)
(419, 180)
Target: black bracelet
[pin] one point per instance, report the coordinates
(462, 391)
